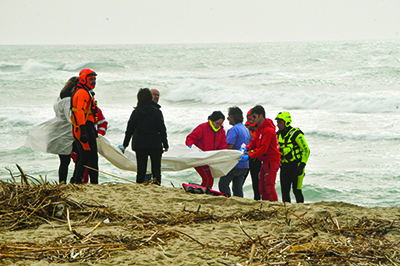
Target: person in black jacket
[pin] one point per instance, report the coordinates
(147, 130)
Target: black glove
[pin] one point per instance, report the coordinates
(300, 169)
(84, 135)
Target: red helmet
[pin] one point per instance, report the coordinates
(85, 75)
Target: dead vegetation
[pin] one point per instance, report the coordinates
(30, 203)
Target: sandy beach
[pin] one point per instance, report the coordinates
(130, 224)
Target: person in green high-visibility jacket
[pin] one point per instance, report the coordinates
(294, 156)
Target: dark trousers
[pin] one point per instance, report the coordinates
(255, 167)
(142, 158)
(63, 168)
(289, 179)
(87, 157)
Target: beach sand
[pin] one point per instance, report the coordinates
(153, 225)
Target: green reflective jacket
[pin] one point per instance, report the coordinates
(293, 146)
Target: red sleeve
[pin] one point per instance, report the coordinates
(263, 147)
(102, 123)
(194, 136)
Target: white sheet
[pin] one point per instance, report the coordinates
(178, 158)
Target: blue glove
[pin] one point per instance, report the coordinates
(121, 147)
(244, 158)
(190, 146)
(243, 149)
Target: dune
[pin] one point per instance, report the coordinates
(131, 224)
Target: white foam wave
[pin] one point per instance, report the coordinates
(34, 66)
(210, 92)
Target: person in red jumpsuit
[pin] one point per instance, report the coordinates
(265, 147)
(208, 136)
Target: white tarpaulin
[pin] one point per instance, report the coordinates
(178, 157)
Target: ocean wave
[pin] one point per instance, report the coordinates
(210, 92)
(34, 66)
(340, 135)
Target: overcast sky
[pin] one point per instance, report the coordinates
(202, 21)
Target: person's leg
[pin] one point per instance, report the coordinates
(286, 181)
(297, 186)
(223, 183)
(238, 180)
(255, 167)
(79, 165)
(205, 173)
(267, 180)
(141, 159)
(155, 156)
(63, 169)
(93, 158)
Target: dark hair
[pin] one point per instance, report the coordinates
(144, 97)
(258, 109)
(216, 115)
(70, 86)
(236, 114)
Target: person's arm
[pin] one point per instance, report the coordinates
(102, 123)
(163, 131)
(305, 150)
(194, 136)
(130, 128)
(264, 144)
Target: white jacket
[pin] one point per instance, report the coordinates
(54, 135)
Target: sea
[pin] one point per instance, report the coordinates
(344, 96)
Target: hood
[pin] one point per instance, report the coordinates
(268, 123)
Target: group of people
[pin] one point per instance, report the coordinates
(264, 150)
(73, 131)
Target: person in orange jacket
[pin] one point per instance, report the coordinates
(208, 136)
(255, 163)
(83, 118)
(265, 147)
(101, 126)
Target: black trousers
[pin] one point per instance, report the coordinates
(64, 164)
(142, 158)
(255, 167)
(289, 178)
(89, 158)
(63, 168)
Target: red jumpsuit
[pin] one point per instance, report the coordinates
(265, 147)
(206, 139)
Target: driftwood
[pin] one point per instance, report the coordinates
(26, 204)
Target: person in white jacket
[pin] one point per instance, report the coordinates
(54, 136)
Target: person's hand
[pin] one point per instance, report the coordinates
(300, 169)
(243, 150)
(190, 146)
(84, 137)
(166, 149)
(244, 158)
(122, 148)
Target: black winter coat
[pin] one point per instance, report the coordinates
(146, 128)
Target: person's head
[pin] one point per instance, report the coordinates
(258, 114)
(235, 115)
(156, 95)
(144, 97)
(217, 119)
(283, 120)
(250, 119)
(87, 77)
(70, 85)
